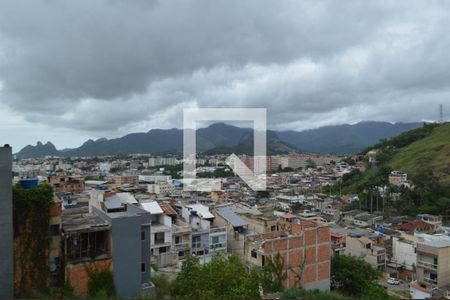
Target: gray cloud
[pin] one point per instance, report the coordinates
(111, 67)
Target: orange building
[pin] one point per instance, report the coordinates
(305, 248)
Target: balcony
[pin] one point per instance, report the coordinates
(218, 246)
(430, 280)
(181, 246)
(181, 229)
(155, 228)
(218, 230)
(427, 265)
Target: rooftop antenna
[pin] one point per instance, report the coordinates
(441, 113)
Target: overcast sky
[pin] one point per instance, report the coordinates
(73, 70)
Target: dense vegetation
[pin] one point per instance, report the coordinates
(222, 278)
(355, 278)
(424, 154)
(31, 218)
(100, 282)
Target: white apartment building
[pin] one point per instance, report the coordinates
(207, 239)
(162, 161)
(160, 234)
(161, 188)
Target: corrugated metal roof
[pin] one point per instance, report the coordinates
(231, 217)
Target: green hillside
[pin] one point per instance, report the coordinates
(431, 152)
(423, 153)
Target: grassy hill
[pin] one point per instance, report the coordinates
(431, 152)
(423, 153)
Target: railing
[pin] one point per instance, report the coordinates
(218, 246)
(177, 229)
(430, 280)
(218, 229)
(424, 264)
(181, 246)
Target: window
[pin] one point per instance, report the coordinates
(196, 243)
(177, 239)
(142, 235)
(435, 260)
(273, 228)
(143, 267)
(162, 250)
(180, 253)
(254, 255)
(215, 239)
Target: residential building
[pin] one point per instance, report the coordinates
(86, 243)
(126, 179)
(162, 161)
(366, 249)
(161, 234)
(337, 243)
(433, 268)
(435, 221)
(207, 238)
(68, 184)
(130, 246)
(181, 235)
(305, 248)
(404, 253)
(398, 178)
(162, 187)
(6, 225)
(236, 229)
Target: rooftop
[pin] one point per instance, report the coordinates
(83, 222)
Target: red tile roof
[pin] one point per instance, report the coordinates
(168, 210)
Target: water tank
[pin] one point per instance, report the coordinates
(29, 183)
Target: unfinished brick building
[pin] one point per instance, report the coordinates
(305, 248)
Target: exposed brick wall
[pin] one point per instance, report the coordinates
(78, 277)
(310, 243)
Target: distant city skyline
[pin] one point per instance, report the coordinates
(74, 71)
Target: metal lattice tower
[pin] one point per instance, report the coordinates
(441, 113)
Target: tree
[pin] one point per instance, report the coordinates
(310, 164)
(356, 278)
(31, 220)
(162, 285)
(444, 205)
(222, 278)
(100, 281)
(274, 274)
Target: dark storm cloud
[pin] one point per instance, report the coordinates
(116, 66)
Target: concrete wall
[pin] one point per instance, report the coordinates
(404, 253)
(6, 229)
(128, 250)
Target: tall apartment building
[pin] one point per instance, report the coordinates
(126, 179)
(130, 248)
(432, 270)
(305, 249)
(162, 161)
(6, 225)
(301, 160)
